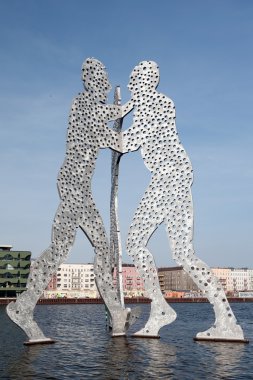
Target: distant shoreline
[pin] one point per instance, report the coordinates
(78, 301)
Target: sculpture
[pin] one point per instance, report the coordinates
(87, 133)
(167, 200)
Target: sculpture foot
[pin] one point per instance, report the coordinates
(31, 342)
(24, 319)
(155, 323)
(145, 333)
(228, 333)
(120, 322)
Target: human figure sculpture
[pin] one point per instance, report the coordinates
(167, 200)
(87, 133)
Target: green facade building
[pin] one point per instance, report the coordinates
(14, 271)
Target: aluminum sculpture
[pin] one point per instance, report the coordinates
(167, 200)
(87, 133)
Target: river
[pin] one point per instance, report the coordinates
(85, 350)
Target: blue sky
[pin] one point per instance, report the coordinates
(204, 51)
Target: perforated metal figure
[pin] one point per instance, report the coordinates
(167, 200)
(87, 133)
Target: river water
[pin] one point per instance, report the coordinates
(85, 350)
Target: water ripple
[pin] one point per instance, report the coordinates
(85, 350)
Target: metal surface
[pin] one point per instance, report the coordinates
(115, 238)
(167, 200)
(87, 133)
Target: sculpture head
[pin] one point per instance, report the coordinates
(95, 79)
(144, 76)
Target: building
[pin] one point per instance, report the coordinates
(241, 279)
(175, 279)
(53, 283)
(73, 280)
(133, 285)
(233, 280)
(78, 280)
(224, 276)
(251, 279)
(14, 271)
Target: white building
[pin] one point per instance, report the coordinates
(240, 279)
(251, 278)
(235, 280)
(74, 280)
(224, 276)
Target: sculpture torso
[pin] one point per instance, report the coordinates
(155, 132)
(87, 133)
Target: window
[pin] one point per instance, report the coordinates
(8, 257)
(9, 266)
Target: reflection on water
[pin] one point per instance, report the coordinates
(85, 350)
(140, 359)
(227, 359)
(23, 365)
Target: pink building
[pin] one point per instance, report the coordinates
(52, 284)
(133, 285)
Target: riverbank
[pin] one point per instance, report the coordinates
(61, 301)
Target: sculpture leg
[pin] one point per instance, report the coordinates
(21, 311)
(146, 220)
(180, 231)
(93, 227)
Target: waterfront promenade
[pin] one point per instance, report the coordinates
(133, 300)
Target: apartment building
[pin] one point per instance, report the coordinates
(78, 280)
(233, 280)
(240, 279)
(133, 285)
(14, 271)
(223, 274)
(175, 279)
(73, 280)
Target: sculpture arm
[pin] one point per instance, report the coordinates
(114, 111)
(126, 108)
(111, 138)
(117, 112)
